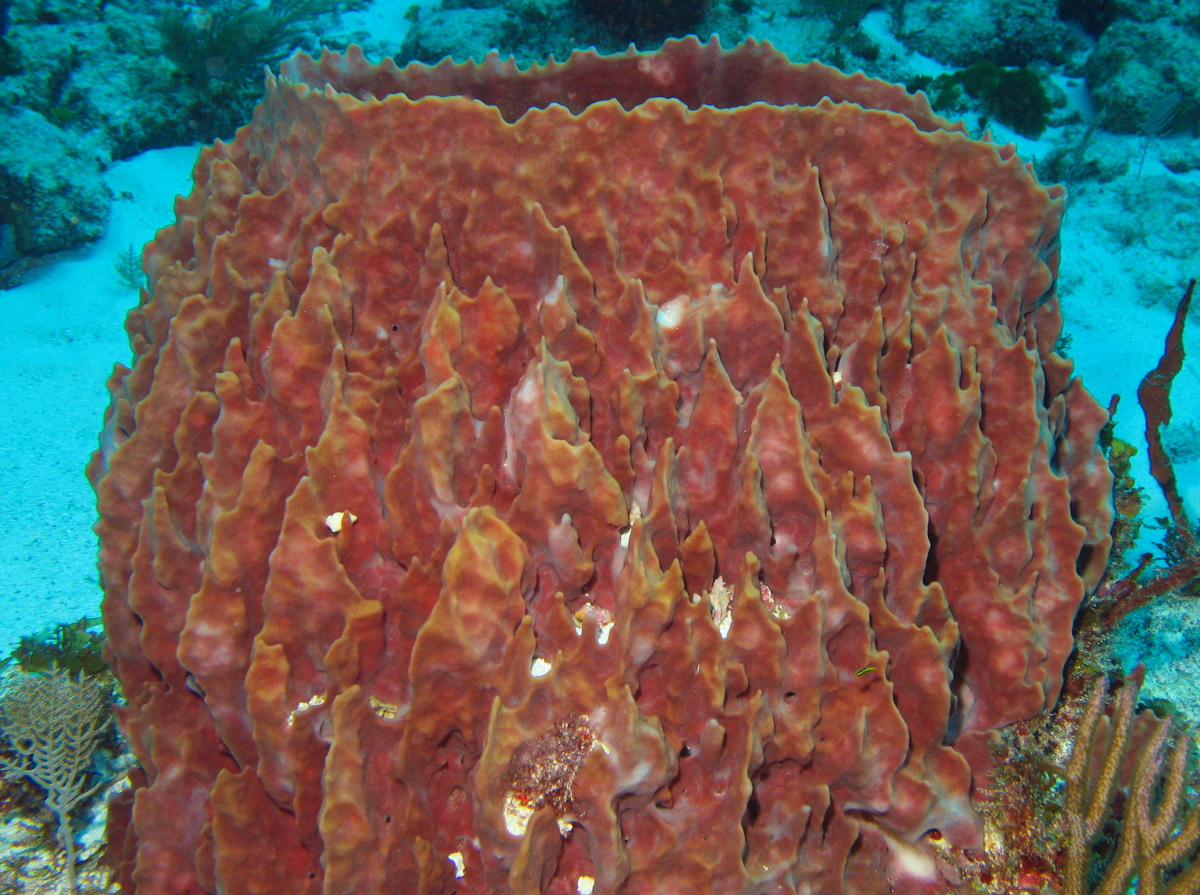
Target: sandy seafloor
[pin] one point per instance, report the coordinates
(65, 331)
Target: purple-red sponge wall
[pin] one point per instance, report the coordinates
(641, 474)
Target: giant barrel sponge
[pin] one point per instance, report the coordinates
(642, 474)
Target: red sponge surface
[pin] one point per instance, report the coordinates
(639, 474)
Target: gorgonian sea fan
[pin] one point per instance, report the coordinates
(650, 473)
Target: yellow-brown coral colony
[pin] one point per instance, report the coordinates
(667, 448)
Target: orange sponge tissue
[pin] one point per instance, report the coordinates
(639, 474)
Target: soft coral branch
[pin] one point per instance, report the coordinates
(1154, 394)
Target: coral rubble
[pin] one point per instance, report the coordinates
(647, 473)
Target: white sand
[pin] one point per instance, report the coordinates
(66, 333)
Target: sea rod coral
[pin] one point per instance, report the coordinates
(649, 473)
